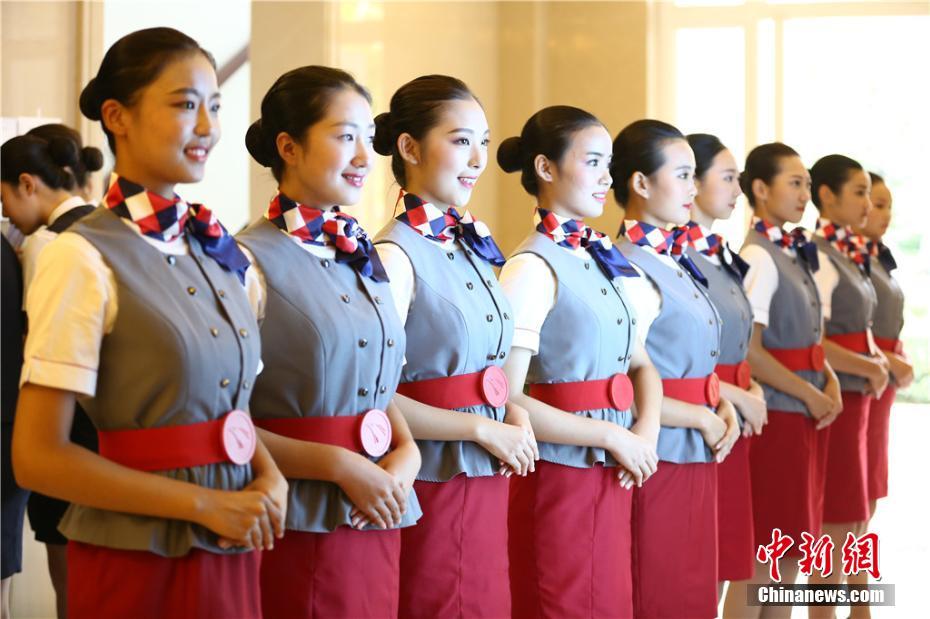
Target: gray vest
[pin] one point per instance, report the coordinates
(183, 350)
(795, 318)
(459, 323)
(333, 346)
(588, 335)
(729, 298)
(889, 315)
(853, 306)
(683, 342)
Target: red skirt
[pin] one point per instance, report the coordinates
(344, 574)
(674, 526)
(846, 498)
(787, 466)
(453, 563)
(105, 583)
(570, 543)
(736, 548)
(879, 420)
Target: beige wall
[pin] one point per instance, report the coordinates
(516, 56)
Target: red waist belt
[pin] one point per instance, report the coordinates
(489, 386)
(614, 392)
(797, 359)
(890, 345)
(368, 433)
(228, 439)
(704, 390)
(739, 374)
(856, 342)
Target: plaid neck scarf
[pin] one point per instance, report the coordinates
(798, 239)
(844, 241)
(710, 244)
(574, 233)
(879, 250)
(668, 242)
(332, 228)
(167, 219)
(428, 220)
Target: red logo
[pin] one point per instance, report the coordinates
(620, 391)
(494, 386)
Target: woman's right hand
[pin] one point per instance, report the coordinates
(878, 377)
(636, 455)
(511, 445)
(753, 408)
(819, 403)
(377, 495)
(238, 517)
(712, 427)
(901, 369)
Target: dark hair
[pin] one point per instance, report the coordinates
(294, 103)
(90, 158)
(705, 147)
(131, 64)
(548, 132)
(832, 171)
(415, 110)
(49, 160)
(638, 148)
(876, 179)
(763, 162)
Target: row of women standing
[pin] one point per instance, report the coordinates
(429, 440)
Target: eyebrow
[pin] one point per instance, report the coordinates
(193, 91)
(346, 123)
(466, 130)
(685, 167)
(595, 153)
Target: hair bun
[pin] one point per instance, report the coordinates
(384, 134)
(256, 142)
(92, 157)
(63, 152)
(510, 154)
(90, 102)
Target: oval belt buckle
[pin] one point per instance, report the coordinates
(712, 390)
(817, 357)
(239, 438)
(494, 386)
(374, 432)
(743, 375)
(620, 391)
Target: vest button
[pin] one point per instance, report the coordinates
(732, 290)
(171, 260)
(489, 282)
(619, 321)
(345, 298)
(710, 321)
(501, 355)
(633, 320)
(695, 295)
(492, 357)
(680, 274)
(450, 255)
(587, 266)
(246, 385)
(470, 286)
(224, 382)
(506, 316)
(214, 332)
(794, 261)
(325, 263)
(603, 291)
(489, 318)
(713, 353)
(243, 332)
(390, 343)
(191, 290)
(362, 343)
(222, 293)
(621, 358)
(382, 389)
(468, 251)
(363, 391)
(378, 300)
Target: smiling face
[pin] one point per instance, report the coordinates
(164, 137)
(444, 166)
(329, 165)
(718, 188)
(879, 217)
(851, 206)
(670, 190)
(577, 184)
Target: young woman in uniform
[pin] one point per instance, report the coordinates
(575, 344)
(46, 172)
(333, 351)
(139, 311)
(717, 180)
(675, 514)
(459, 326)
(840, 190)
(787, 460)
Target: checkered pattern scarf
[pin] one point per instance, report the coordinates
(428, 220)
(879, 250)
(166, 219)
(663, 242)
(710, 244)
(332, 228)
(574, 233)
(846, 242)
(798, 239)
